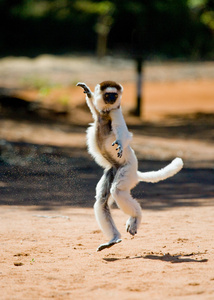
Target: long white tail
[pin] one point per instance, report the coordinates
(154, 176)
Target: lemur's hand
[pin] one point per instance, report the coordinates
(119, 148)
(85, 88)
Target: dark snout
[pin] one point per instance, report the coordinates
(110, 98)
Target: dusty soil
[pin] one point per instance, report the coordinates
(48, 233)
(51, 254)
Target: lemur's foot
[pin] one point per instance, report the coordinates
(131, 225)
(85, 88)
(119, 148)
(109, 244)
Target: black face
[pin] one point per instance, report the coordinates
(110, 98)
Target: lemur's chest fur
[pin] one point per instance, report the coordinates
(103, 129)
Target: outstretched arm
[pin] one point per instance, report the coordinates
(123, 136)
(89, 98)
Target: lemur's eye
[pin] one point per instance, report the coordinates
(106, 95)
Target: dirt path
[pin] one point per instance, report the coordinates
(51, 254)
(48, 233)
(48, 250)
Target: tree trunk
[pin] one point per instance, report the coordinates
(139, 81)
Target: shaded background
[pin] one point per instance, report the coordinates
(46, 47)
(162, 28)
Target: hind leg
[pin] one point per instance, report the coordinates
(124, 181)
(132, 225)
(102, 211)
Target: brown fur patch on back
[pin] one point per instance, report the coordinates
(105, 84)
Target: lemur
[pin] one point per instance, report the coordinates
(108, 141)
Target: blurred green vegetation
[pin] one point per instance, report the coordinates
(147, 28)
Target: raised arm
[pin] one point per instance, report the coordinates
(89, 98)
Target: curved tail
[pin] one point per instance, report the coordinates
(154, 176)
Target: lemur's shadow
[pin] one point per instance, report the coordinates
(177, 258)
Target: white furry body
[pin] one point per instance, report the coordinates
(129, 156)
(121, 168)
(122, 132)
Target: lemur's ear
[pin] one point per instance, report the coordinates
(97, 88)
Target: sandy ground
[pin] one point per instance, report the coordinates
(48, 233)
(51, 254)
